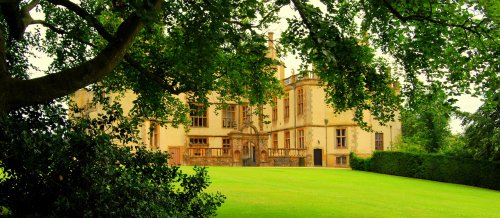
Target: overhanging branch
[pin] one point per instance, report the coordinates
(157, 79)
(128, 58)
(27, 8)
(17, 93)
(313, 29)
(418, 17)
(61, 32)
(91, 20)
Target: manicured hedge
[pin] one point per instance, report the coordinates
(432, 167)
(358, 163)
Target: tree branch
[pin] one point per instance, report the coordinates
(91, 20)
(4, 74)
(17, 18)
(12, 15)
(159, 80)
(419, 17)
(18, 93)
(61, 32)
(27, 8)
(129, 59)
(312, 29)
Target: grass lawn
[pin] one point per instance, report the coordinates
(323, 192)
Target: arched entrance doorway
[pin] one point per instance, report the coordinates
(251, 145)
(249, 154)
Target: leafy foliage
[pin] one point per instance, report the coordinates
(482, 133)
(435, 167)
(425, 120)
(357, 163)
(159, 49)
(353, 77)
(453, 45)
(187, 47)
(72, 168)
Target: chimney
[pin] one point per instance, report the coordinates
(270, 46)
(281, 71)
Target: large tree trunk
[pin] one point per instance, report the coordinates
(16, 93)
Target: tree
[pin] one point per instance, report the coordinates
(158, 48)
(425, 120)
(182, 47)
(482, 132)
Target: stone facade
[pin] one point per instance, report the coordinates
(302, 130)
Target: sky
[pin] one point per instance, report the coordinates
(465, 103)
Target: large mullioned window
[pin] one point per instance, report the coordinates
(275, 140)
(301, 138)
(300, 101)
(341, 160)
(198, 143)
(379, 141)
(341, 138)
(286, 106)
(275, 109)
(226, 145)
(198, 116)
(247, 113)
(154, 135)
(229, 117)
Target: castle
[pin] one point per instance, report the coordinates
(302, 130)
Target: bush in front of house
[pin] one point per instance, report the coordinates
(77, 168)
(432, 167)
(358, 163)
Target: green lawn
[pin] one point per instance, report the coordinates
(322, 192)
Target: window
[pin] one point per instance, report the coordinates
(379, 141)
(154, 135)
(300, 101)
(198, 143)
(226, 145)
(287, 139)
(229, 117)
(247, 113)
(341, 160)
(301, 138)
(286, 103)
(275, 109)
(275, 140)
(198, 116)
(341, 138)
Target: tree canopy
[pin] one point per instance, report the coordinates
(482, 132)
(160, 48)
(426, 119)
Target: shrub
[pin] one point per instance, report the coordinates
(358, 163)
(433, 167)
(396, 163)
(61, 168)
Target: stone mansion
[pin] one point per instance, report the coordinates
(302, 130)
